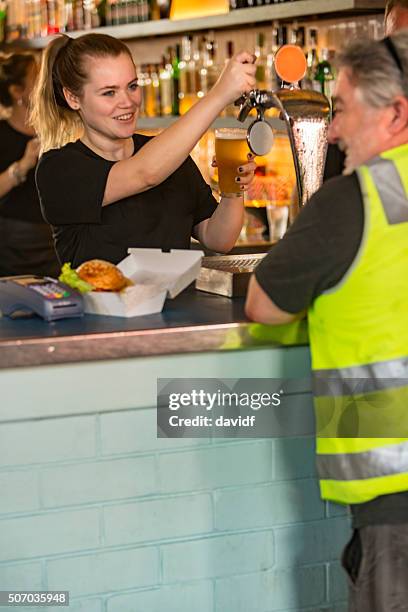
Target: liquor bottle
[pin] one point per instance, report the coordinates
(282, 35)
(88, 6)
(312, 60)
(230, 110)
(143, 10)
(141, 81)
(175, 76)
(261, 75)
(273, 79)
(300, 37)
(154, 10)
(149, 94)
(3, 15)
(198, 57)
(212, 70)
(164, 8)
(165, 86)
(324, 75)
(188, 84)
(52, 17)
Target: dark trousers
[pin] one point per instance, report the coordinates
(376, 562)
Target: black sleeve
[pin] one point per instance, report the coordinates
(205, 203)
(318, 248)
(71, 186)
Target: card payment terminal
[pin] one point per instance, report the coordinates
(42, 295)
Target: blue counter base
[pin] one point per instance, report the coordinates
(94, 503)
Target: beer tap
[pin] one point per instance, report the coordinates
(306, 114)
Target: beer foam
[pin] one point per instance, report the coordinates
(230, 135)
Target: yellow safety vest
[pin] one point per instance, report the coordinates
(359, 343)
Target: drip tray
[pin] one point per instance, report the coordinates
(227, 274)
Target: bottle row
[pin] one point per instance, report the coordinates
(188, 71)
(26, 19)
(238, 4)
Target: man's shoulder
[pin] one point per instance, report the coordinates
(337, 189)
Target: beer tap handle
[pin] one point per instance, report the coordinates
(260, 99)
(246, 103)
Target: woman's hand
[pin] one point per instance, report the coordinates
(30, 156)
(245, 172)
(237, 77)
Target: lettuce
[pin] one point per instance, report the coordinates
(70, 277)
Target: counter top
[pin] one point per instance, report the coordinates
(193, 322)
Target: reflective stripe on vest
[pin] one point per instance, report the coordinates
(382, 461)
(363, 378)
(390, 189)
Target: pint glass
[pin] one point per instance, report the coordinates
(231, 151)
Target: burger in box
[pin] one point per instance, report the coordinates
(138, 285)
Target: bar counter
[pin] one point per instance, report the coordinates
(93, 502)
(193, 322)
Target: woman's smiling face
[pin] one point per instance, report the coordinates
(111, 99)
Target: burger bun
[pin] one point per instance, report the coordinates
(103, 275)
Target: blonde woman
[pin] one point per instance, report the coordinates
(112, 189)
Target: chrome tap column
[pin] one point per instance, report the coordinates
(306, 114)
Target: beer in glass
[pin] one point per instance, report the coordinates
(231, 151)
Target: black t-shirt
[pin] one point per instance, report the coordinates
(312, 257)
(71, 183)
(21, 202)
(318, 248)
(334, 162)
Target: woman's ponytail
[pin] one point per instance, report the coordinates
(54, 122)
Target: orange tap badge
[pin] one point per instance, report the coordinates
(290, 63)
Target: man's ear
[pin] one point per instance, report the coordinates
(399, 119)
(72, 100)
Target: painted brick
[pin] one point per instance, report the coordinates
(311, 543)
(105, 480)
(121, 433)
(47, 440)
(214, 467)
(82, 605)
(188, 597)
(337, 510)
(264, 506)
(220, 556)
(294, 458)
(88, 605)
(104, 572)
(337, 582)
(157, 519)
(22, 576)
(48, 533)
(271, 591)
(19, 491)
(338, 607)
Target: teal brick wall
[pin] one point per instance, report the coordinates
(94, 503)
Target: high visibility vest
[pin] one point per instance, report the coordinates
(359, 344)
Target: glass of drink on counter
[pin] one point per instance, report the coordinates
(231, 151)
